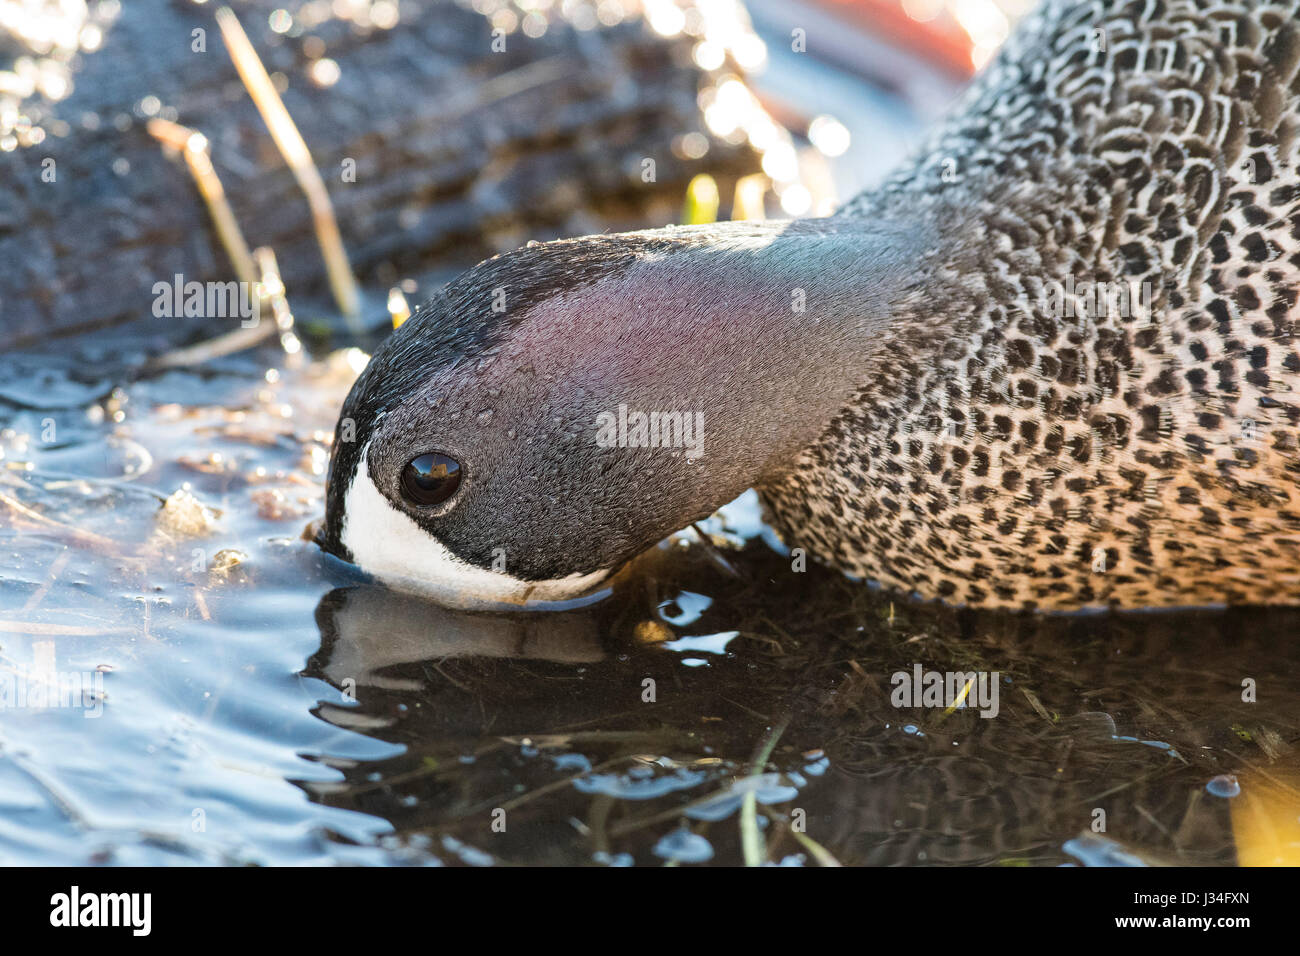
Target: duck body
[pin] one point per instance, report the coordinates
(1051, 363)
(1012, 451)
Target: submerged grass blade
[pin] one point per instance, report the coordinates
(823, 856)
(752, 844)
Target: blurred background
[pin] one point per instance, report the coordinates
(135, 144)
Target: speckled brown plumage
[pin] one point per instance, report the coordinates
(1006, 455)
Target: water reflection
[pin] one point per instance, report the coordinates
(583, 737)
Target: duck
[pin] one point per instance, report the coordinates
(1049, 363)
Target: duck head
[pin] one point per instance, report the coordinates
(557, 410)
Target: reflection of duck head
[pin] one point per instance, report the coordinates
(365, 629)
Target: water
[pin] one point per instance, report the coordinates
(227, 693)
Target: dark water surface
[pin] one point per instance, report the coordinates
(210, 688)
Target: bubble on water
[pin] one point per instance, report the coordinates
(1224, 785)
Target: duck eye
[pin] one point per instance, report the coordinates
(431, 479)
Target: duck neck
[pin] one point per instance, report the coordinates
(759, 332)
(775, 323)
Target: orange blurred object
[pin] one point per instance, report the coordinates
(940, 39)
(1266, 819)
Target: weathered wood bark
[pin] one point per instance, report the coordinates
(458, 151)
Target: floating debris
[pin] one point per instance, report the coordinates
(227, 559)
(184, 516)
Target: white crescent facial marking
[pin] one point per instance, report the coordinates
(392, 547)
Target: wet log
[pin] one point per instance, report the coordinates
(435, 148)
